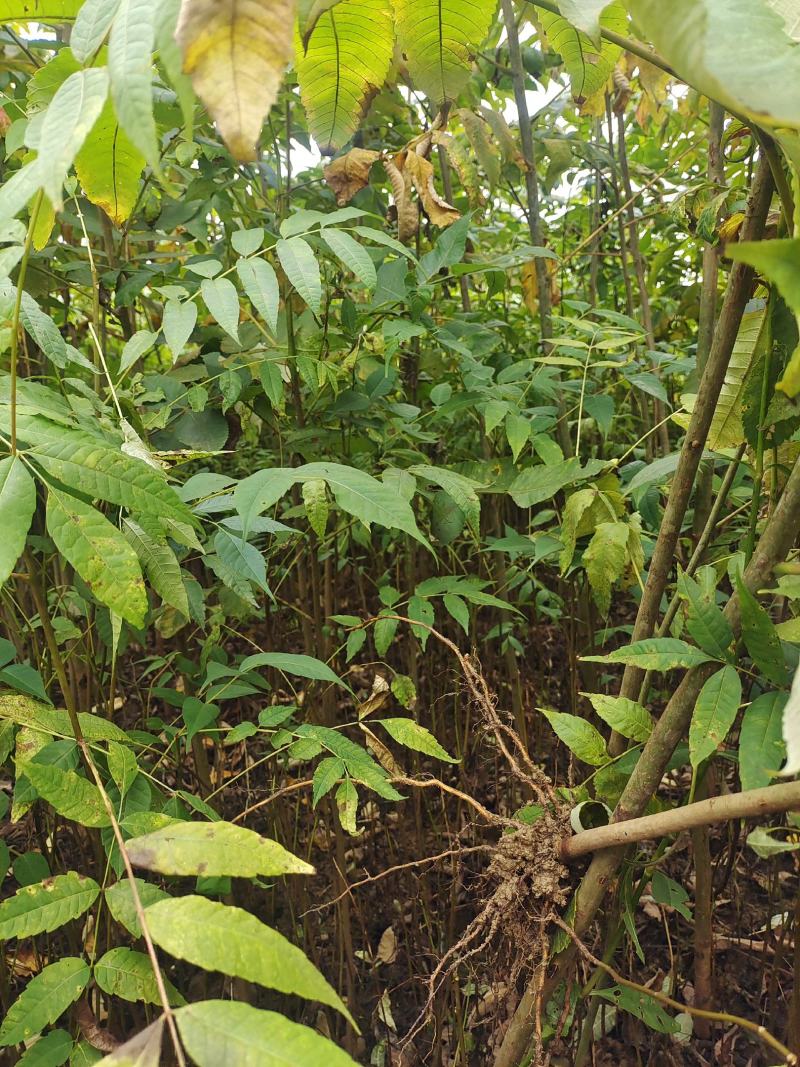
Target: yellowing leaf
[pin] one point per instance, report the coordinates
(345, 64)
(236, 52)
(109, 166)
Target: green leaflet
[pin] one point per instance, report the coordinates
(260, 282)
(359, 764)
(727, 428)
(354, 256)
(761, 746)
(300, 264)
(26, 712)
(625, 716)
(70, 794)
(579, 736)
(94, 469)
(537, 484)
(44, 998)
(292, 663)
(67, 122)
(52, 1050)
(178, 322)
(605, 559)
(99, 553)
(411, 735)
(130, 64)
(222, 301)
(714, 713)
(760, 638)
(704, 620)
(214, 850)
(160, 565)
(439, 41)
(315, 501)
(91, 27)
(37, 909)
(344, 65)
(589, 66)
(735, 51)
(109, 167)
(655, 654)
(120, 902)
(219, 937)
(222, 1033)
(461, 490)
(125, 973)
(17, 505)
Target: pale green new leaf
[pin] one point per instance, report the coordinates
(215, 850)
(44, 998)
(126, 973)
(130, 63)
(70, 795)
(576, 505)
(17, 190)
(219, 937)
(605, 560)
(579, 736)
(625, 716)
(109, 167)
(160, 565)
(411, 735)
(354, 256)
(40, 908)
(99, 553)
(655, 654)
(91, 27)
(17, 505)
(222, 301)
(439, 39)
(261, 285)
(735, 51)
(302, 270)
(225, 1033)
(589, 65)
(69, 118)
(344, 66)
(714, 713)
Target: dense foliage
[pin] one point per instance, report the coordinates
(399, 493)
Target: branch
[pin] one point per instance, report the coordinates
(748, 805)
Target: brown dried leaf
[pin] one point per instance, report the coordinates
(407, 210)
(348, 174)
(387, 947)
(437, 209)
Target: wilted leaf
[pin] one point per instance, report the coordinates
(349, 173)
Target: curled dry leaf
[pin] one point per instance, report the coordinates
(236, 52)
(387, 947)
(407, 210)
(348, 174)
(436, 207)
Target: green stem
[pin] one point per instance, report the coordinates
(23, 270)
(758, 473)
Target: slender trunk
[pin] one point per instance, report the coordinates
(532, 193)
(708, 299)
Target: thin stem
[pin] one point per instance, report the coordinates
(23, 270)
